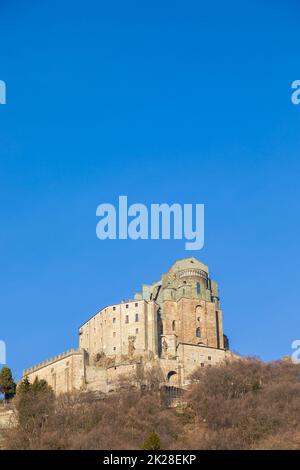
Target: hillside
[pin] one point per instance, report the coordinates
(243, 405)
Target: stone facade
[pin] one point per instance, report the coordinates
(64, 372)
(126, 329)
(175, 323)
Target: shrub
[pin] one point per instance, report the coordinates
(242, 405)
(152, 442)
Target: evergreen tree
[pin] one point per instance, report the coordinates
(7, 384)
(24, 386)
(152, 442)
(41, 386)
(34, 403)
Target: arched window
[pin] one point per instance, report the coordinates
(173, 325)
(198, 332)
(198, 288)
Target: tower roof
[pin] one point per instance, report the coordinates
(187, 263)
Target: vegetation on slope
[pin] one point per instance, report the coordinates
(243, 405)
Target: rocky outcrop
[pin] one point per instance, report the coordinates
(8, 420)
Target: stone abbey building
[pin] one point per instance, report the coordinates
(175, 323)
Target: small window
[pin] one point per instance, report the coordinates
(198, 318)
(202, 364)
(127, 319)
(114, 348)
(209, 358)
(114, 334)
(136, 331)
(173, 325)
(198, 288)
(127, 305)
(136, 317)
(198, 332)
(114, 320)
(114, 308)
(136, 305)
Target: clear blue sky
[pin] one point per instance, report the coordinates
(164, 101)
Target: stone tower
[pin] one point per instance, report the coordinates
(188, 307)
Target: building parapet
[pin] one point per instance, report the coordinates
(103, 310)
(40, 365)
(192, 273)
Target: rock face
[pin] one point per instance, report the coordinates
(175, 323)
(8, 420)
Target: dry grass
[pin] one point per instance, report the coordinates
(243, 405)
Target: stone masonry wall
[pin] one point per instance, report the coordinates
(194, 321)
(64, 374)
(125, 329)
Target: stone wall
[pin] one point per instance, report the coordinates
(192, 357)
(125, 329)
(8, 420)
(189, 357)
(193, 321)
(64, 373)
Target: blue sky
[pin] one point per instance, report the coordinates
(163, 101)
